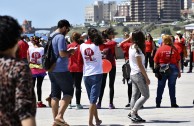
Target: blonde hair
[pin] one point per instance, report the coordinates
(167, 39)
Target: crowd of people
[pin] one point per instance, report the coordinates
(81, 58)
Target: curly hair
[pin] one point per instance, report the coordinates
(10, 32)
(95, 36)
(138, 38)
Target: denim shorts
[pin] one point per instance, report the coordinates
(61, 82)
(93, 86)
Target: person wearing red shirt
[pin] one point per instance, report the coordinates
(179, 43)
(22, 50)
(167, 54)
(149, 50)
(76, 69)
(109, 54)
(125, 48)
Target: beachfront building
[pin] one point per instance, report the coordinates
(169, 10)
(123, 12)
(144, 11)
(100, 12)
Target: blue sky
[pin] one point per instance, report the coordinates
(46, 13)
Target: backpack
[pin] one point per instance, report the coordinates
(126, 69)
(49, 59)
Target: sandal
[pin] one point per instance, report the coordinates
(61, 123)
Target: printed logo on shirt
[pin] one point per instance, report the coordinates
(89, 53)
(36, 58)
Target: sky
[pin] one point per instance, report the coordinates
(46, 13)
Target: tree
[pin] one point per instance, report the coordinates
(166, 31)
(125, 29)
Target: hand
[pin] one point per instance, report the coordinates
(147, 81)
(179, 74)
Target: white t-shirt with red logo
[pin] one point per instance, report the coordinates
(36, 54)
(92, 59)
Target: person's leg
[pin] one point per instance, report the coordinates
(112, 75)
(144, 90)
(103, 85)
(129, 92)
(191, 62)
(94, 82)
(78, 80)
(160, 90)
(146, 60)
(55, 93)
(172, 85)
(39, 87)
(182, 61)
(34, 81)
(63, 106)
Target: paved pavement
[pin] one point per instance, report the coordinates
(164, 116)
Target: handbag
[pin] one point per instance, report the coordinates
(165, 68)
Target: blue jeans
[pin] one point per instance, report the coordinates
(171, 85)
(93, 86)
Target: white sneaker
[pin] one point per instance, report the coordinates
(69, 106)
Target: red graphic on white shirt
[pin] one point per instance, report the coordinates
(88, 54)
(35, 57)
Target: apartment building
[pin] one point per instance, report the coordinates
(143, 11)
(123, 12)
(100, 12)
(169, 10)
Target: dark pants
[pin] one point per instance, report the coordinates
(171, 85)
(77, 79)
(150, 58)
(182, 60)
(129, 91)
(191, 62)
(112, 75)
(38, 86)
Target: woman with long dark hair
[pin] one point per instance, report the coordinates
(91, 58)
(139, 78)
(109, 54)
(34, 56)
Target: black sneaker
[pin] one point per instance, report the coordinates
(174, 106)
(136, 118)
(127, 106)
(157, 105)
(142, 120)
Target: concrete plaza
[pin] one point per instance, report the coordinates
(164, 116)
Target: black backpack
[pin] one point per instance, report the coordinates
(126, 69)
(49, 58)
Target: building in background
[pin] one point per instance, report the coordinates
(144, 11)
(123, 12)
(169, 10)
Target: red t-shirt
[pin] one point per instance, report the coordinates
(112, 50)
(73, 64)
(23, 48)
(179, 45)
(148, 45)
(162, 55)
(125, 48)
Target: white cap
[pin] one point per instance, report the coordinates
(84, 34)
(178, 32)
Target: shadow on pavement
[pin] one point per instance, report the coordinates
(166, 121)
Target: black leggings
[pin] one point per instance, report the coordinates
(150, 58)
(112, 75)
(77, 80)
(129, 91)
(191, 62)
(38, 86)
